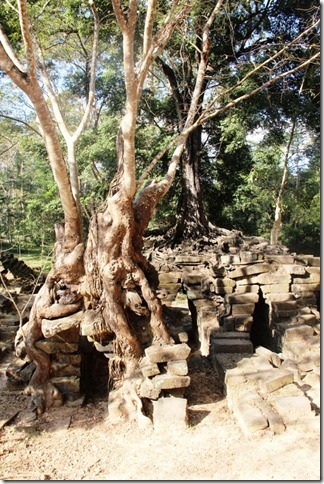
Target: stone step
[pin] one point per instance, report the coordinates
(236, 345)
(231, 335)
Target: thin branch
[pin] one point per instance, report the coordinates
(21, 122)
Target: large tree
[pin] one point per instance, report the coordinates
(103, 275)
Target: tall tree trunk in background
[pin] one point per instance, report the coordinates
(277, 224)
(192, 220)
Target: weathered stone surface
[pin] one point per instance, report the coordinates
(158, 354)
(170, 413)
(63, 369)
(275, 420)
(247, 308)
(313, 278)
(275, 288)
(249, 270)
(272, 357)
(150, 370)
(232, 346)
(56, 347)
(224, 282)
(173, 277)
(244, 298)
(305, 287)
(188, 259)
(293, 408)
(50, 327)
(249, 417)
(242, 321)
(231, 335)
(243, 289)
(179, 367)
(183, 337)
(281, 258)
(280, 297)
(147, 390)
(293, 269)
(276, 379)
(67, 384)
(165, 382)
(298, 333)
(273, 278)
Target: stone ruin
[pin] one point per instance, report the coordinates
(251, 308)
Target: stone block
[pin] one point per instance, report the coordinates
(292, 269)
(231, 335)
(281, 258)
(293, 408)
(166, 381)
(240, 322)
(271, 356)
(274, 278)
(246, 298)
(173, 277)
(232, 346)
(275, 420)
(276, 379)
(161, 354)
(150, 370)
(299, 332)
(62, 369)
(147, 390)
(243, 289)
(291, 365)
(67, 384)
(188, 259)
(179, 367)
(170, 413)
(238, 309)
(247, 256)
(183, 337)
(249, 270)
(224, 282)
(313, 278)
(275, 288)
(305, 287)
(280, 297)
(249, 417)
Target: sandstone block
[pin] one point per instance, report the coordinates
(150, 370)
(183, 337)
(247, 308)
(173, 277)
(166, 381)
(250, 270)
(231, 335)
(280, 297)
(243, 289)
(305, 287)
(277, 379)
(224, 282)
(247, 256)
(161, 354)
(232, 346)
(188, 259)
(239, 322)
(275, 420)
(170, 413)
(179, 367)
(275, 288)
(147, 390)
(274, 278)
(249, 418)
(61, 369)
(246, 298)
(311, 279)
(292, 269)
(272, 357)
(67, 384)
(281, 258)
(298, 333)
(293, 408)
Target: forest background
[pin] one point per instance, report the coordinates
(243, 156)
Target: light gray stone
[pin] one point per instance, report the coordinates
(161, 354)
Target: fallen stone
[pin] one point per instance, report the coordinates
(170, 413)
(250, 270)
(179, 367)
(277, 379)
(249, 418)
(147, 390)
(293, 408)
(273, 357)
(275, 420)
(161, 354)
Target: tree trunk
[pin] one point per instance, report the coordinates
(192, 220)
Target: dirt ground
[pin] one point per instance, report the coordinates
(79, 443)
